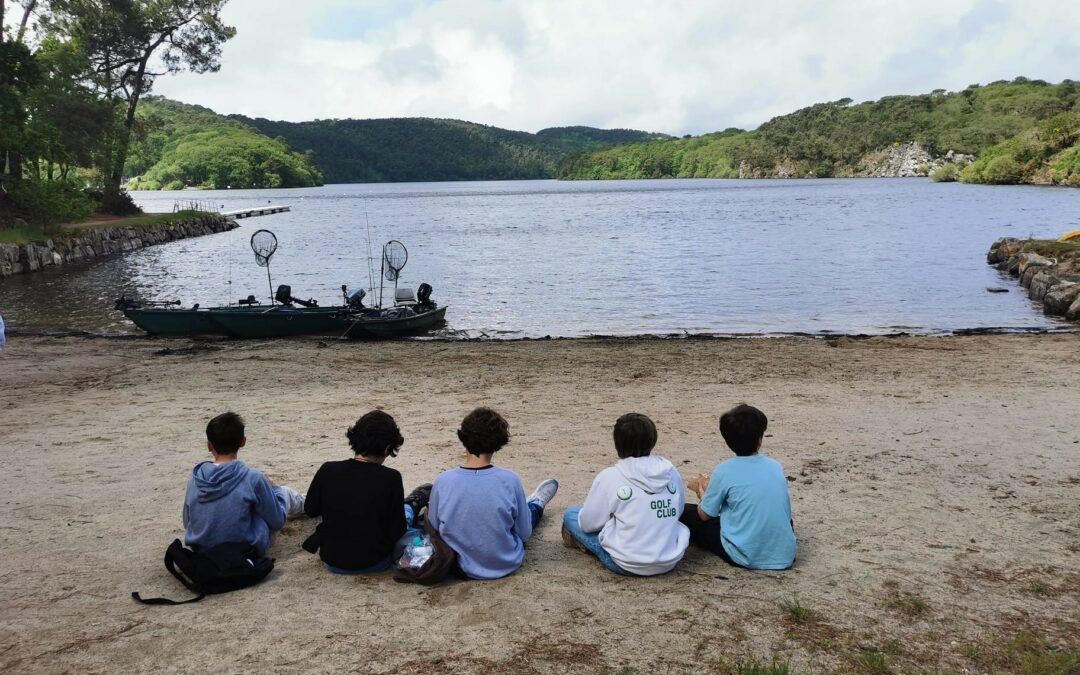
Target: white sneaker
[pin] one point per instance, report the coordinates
(544, 492)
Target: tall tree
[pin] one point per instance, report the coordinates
(129, 43)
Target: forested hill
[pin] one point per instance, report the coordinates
(425, 149)
(177, 145)
(1003, 132)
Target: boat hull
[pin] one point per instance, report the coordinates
(375, 327)
(175, 322)
(282, 321)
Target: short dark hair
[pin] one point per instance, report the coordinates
(226, 433)
(635, 435)
(483, 431)
(373, 434)
(742, 428)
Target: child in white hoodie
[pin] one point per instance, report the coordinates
(630, 518)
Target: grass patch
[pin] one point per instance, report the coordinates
(1025, 653)
(21, 235)
(1053, 249)
(754, 666)
(1039, 587)
(797, 613)
(31, 233)
(908, 604)
(872, 662)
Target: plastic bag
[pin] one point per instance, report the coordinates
(417, 552)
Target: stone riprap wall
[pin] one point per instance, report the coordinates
(1054, 283)
(97, 242)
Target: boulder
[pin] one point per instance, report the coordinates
(1010, 266)
(1029, 259)
(1060, 297)
(1029, 267)
(1043, 281)
(1003, 249)
(1073, 312)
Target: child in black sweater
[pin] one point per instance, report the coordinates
(362, 504)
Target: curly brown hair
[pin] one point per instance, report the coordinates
(373, 434)
(483, 431)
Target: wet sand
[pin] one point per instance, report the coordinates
(935, 485)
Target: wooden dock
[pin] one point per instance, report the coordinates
(255, 211)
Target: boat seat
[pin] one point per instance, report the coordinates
(404, 297)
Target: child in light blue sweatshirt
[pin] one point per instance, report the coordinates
(228, 501)
(481, 510)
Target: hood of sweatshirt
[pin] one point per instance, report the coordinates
(214, 481)
(651, 473)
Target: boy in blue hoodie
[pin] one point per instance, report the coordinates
(228, 501)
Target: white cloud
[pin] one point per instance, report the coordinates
(686, 66)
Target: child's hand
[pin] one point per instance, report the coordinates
(698, 484)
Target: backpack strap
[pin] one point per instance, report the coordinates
(165, 601)
(174, 553)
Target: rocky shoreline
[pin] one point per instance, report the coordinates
(1053, 282)
(94, 243)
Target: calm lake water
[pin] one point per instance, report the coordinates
(535, 258)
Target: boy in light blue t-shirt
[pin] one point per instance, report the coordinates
(749, 494)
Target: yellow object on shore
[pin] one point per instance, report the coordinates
(1075, 234)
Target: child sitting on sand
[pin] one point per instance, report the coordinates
(362, 503)
(749, 494)
(479, 509)
(630, 518)
(228, 501)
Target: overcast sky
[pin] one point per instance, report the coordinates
(677, 66)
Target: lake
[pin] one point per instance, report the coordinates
(535, 258)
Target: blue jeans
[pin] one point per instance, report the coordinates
(387, 563)
(590, 540)
(537, 511)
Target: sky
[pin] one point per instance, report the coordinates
(677, 66)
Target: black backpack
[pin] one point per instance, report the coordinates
(218, 569)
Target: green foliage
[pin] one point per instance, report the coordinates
(422, 149)
(946, 173)
(1032, 118)
(179, 145)
(49, 202)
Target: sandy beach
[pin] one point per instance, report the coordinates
(935, 485)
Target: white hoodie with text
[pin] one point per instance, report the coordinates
(635, 505)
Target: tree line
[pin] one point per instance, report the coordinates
(72, 76)
(1022, 131)
(426, 149)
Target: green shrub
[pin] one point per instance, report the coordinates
(50, 202)
(946, 173)
(1002, 170)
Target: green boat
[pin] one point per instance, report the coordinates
(282, 321)
(246, 320)
(288, 316)
(158, 318)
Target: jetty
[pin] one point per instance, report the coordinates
(255, 211)
(208, 206)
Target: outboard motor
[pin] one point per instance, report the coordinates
(284, 296)
(355, 300)
(423, 295)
